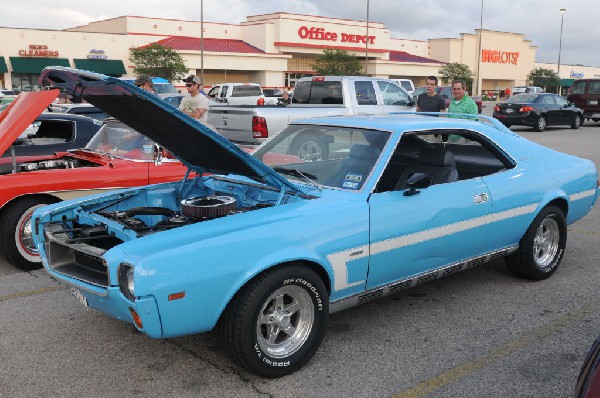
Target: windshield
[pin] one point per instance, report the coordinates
(522, 98)
(164, 88)
(120, 140)
(332, 156)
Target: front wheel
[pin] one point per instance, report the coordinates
(576, 122)
(309, 147)
(540, 124)
(542, 247)
(16, 244)
(276, 323)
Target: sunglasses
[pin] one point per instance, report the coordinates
(189, 84)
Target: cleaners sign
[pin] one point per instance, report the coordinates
(499, 57)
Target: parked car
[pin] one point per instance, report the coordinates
(173, 99)
(159, 84)
(588, 382)
(538, 111)
(116, 157)
(237, 94)
(51, 132)
(585, 94)
(406, 84)
(527, 90)
(78, 109)
(264, 246)
(272, 95)
(313, 97)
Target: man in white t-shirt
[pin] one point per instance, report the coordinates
(195, 103)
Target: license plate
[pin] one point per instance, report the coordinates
(509, 110)
(593, 102)
(79, 296)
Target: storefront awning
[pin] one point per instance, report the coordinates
(35, 64)
(566, 82)
(104, 66)
(3, 68)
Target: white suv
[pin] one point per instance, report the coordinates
(527, 90)
(406, 84)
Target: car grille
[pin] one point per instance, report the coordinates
(77, 260)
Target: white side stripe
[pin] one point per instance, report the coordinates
(339, 261)
(582, 195)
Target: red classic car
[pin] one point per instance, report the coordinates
(116, 157)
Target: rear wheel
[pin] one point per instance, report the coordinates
(577, 122)
(542, 247)
(540, 124)
(276, 323)
(16, 243)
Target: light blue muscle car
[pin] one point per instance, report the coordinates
(264, 247)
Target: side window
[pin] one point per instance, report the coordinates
(365, 93)
(548, 99)
(560, 100)
(392, 94)
(440, 157)
(213, 92)
(51, 132)
(594, 87)
(224, 90)
(578, 87)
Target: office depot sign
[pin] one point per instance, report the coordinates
(499, 57)
(314, 33)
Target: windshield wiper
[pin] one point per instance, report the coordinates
(297, 173)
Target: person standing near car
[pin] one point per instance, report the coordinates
(195, 104)
(461, 103)
(144, 82)
(430, 101)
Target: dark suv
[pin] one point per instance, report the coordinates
(585, 94)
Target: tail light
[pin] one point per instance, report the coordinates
(526, 109)
(318, 79)
(259, 127)
(261, 101)
(496, 108)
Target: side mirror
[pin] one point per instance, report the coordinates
(415, 182)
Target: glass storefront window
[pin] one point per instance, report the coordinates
(25, 82)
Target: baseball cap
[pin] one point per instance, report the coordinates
(193, 79)
(142, 79)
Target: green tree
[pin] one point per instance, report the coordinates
(158, 60)
(337, 63)
(457, 71)
(546, 78)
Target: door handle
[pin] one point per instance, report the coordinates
(480, 198)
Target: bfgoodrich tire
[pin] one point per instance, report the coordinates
(276, 323)
(16, 245)
(542, 247)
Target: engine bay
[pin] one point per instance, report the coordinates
(48, 164)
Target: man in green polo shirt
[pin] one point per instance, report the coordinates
(461, 103)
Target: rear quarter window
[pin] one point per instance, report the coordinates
(594, 87)
(246, 91)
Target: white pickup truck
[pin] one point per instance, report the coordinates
(236, 94)
(313, 97)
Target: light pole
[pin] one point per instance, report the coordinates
(477, 88)
(562, 16)
(367, 43)
(202, 41)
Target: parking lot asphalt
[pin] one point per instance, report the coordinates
(480, 333)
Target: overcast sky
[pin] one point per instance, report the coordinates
(538, 20)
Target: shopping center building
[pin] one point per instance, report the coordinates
(274, 50)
